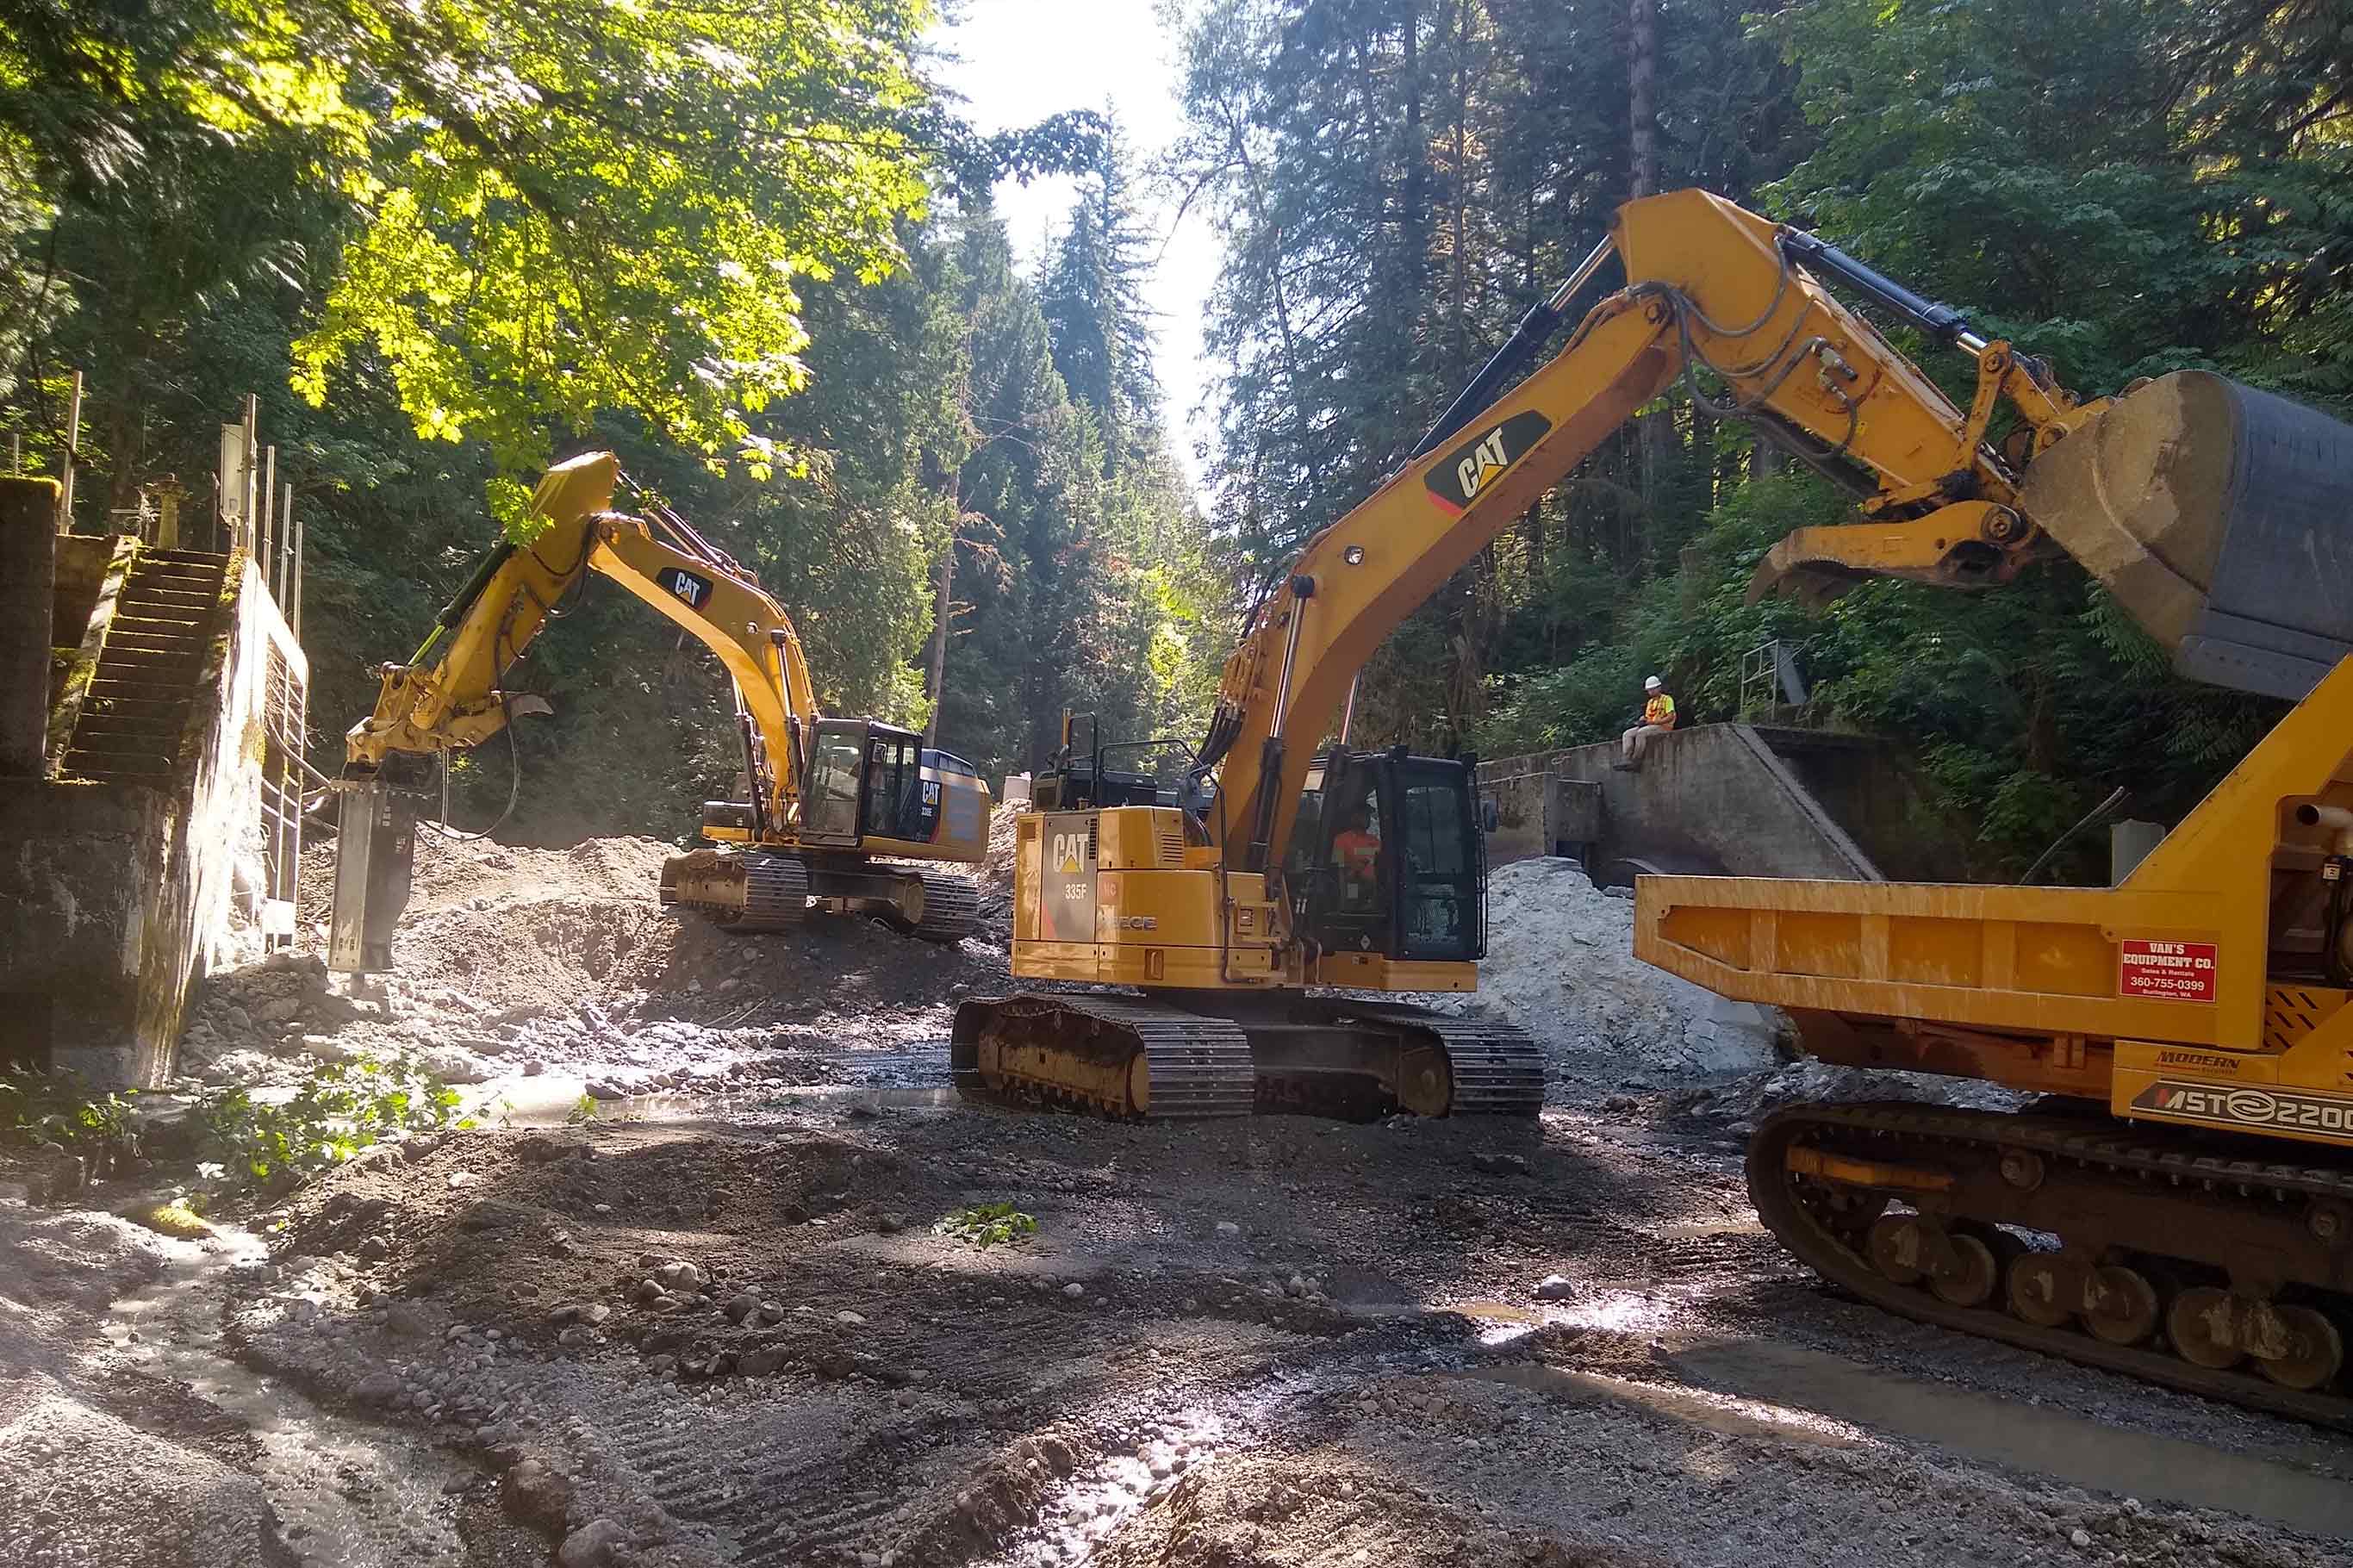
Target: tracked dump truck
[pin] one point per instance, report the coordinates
(2185, 1212)
(847, 812)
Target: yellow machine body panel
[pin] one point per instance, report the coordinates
(1106, 895)
(2158, 995)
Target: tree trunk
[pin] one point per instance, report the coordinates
(1461, 364)
(937, 684)
(1643, 61)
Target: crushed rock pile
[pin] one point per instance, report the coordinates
(995, 875)
(1560, 964)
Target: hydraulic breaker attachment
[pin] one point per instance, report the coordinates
(375, 842)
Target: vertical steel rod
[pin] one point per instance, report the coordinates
(266, 549)
(296, 596)
(73, 444)
(248, 484)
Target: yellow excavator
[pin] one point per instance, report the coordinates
(836, 805)
(2186, 1215)
(1277, 873)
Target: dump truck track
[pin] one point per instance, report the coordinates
(2180, 1262)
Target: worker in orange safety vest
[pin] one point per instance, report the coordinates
(1658, 718)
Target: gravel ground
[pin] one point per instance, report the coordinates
(721, 1323)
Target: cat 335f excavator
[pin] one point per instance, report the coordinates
(834, 802)
(2191, 1220)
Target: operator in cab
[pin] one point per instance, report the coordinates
(1658, 718)
(1358, 849)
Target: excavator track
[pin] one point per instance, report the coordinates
(1119, 1056)
(1136, 1058)
(1925, 1211)
(1495, 1067)
(776, 894)
(951, 908)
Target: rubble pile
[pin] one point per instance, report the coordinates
(517, 962)
(1560, 964)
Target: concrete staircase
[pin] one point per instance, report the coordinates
(135, 715)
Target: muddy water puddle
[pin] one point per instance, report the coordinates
(1766, 1389)
(347, 1494)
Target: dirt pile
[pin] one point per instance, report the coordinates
(1560, 964)
(98, 1463)
(522, 961)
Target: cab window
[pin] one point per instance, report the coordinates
(832, 804)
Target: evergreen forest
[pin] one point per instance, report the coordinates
(752, 247)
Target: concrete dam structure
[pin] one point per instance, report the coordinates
(150, 786)
(1741, 800)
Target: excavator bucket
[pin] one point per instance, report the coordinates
(2221, 519)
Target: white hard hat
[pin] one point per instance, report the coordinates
(1652, 683)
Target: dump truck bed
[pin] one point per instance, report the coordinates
(2212, 961)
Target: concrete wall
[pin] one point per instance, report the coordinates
(82, 561)
(1869, 789)
(81, 873)
(115, 899)
(1715, 798)
(91, 570)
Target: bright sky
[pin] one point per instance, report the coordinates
(1021, 60)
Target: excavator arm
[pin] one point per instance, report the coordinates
(447, 696)
(2205, 507)
(437, 704)
(1711, 287)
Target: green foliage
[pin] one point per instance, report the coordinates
(338, 1110)
(987, 1224)
(520, 215)
(584, 1111)
(59, 1111)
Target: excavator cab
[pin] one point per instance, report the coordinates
(876, 787)
(1386, 856)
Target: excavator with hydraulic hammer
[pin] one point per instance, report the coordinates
(2178, 1207)
(837, 807)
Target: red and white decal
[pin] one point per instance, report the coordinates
(2173, 971)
